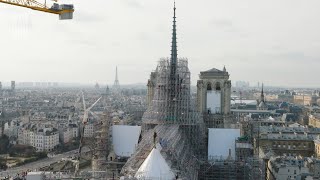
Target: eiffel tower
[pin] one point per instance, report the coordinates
(116, 85)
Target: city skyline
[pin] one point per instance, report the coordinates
(278, 48)
(100, 97)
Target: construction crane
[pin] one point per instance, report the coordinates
(84, 123)
(65, 11)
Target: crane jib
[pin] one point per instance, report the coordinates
(65, 11)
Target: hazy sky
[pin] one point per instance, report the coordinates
(275, 41)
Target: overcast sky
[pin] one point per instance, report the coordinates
(274, 41)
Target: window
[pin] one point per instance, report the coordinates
(209, 88)
(218, 88)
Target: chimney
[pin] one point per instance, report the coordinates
(229, 158)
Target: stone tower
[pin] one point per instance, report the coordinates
(13, 85)
(151, 86)
(213, 98)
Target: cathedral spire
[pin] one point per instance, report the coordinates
(174, 51)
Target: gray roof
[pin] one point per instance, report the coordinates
(213, 70)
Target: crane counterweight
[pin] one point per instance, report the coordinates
(65, 11)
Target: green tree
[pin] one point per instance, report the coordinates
(4, 144)
(3, 164)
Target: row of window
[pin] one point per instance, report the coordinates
(291, 144)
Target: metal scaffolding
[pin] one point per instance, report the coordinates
(102, 146)
(171, 101)
(175, 149)
(174, 118)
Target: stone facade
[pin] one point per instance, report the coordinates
(287, 141)
(42, 139)
(283, 168)
(314, 120)
(217, 81)
(151, 85)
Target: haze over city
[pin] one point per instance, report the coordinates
(276, 42)
(159, 90)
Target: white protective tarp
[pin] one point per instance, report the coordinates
(220, 141)
(155, 167)
(214, 101)
(244, 101)
(125, 139)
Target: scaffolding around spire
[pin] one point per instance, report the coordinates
(174, 50)
(172, 115)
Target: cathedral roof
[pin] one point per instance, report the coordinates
(214, 73)
(154, 167)
(213, 70)
(283, 105)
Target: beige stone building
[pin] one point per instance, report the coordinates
(306, 100)
(286, 98)
(42, 139)
(289, 141)
(271, 97)
(151, 87)
(268, 97)
(289, 167)
(314, 120)
(291, 144)
(317, 148)
(284, 168)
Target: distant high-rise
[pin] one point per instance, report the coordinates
(107, 91)
(97, 86)
(116, 84)
(0, 86)
(13, 85)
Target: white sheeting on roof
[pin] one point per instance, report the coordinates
(244, 101)
(271, 118)
(220, 141)
(125, 139)
(295, 125)
(155, 167)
